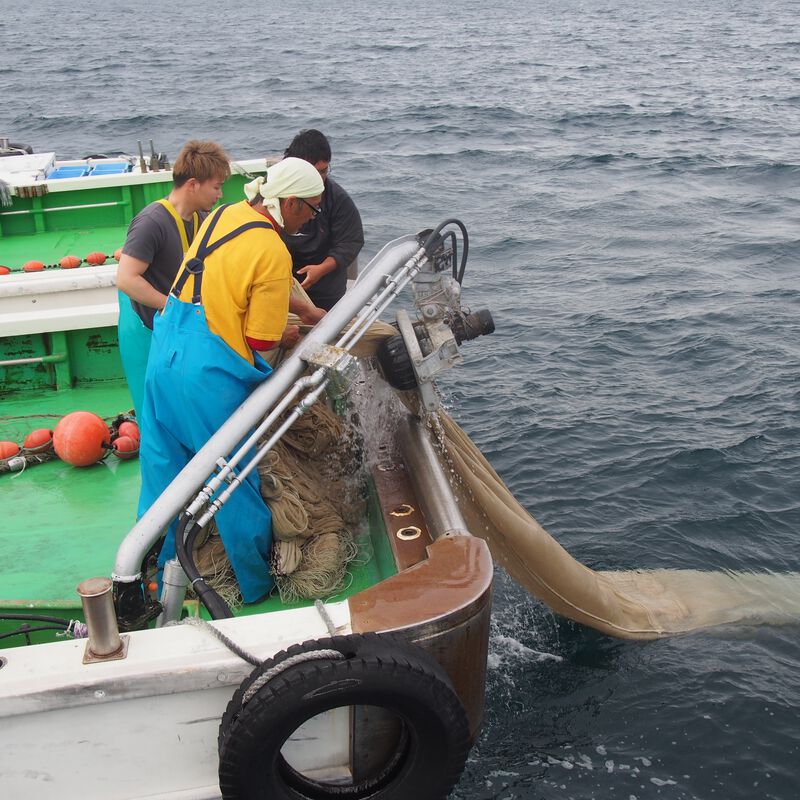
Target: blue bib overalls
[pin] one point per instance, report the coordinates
(194, 382)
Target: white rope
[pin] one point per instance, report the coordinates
(326, 617)
(266, 677)
(198, 622)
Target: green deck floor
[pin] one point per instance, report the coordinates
(61, 524)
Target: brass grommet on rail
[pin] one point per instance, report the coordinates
(403, 510)
(408, 533)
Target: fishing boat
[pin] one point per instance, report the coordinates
(112, 686)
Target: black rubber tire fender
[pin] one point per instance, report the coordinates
(396, 363)
(381, 670)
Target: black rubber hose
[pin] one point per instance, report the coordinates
(216, 606)
(28, 631)
(434, 240)
(451, 235)
(65, 623)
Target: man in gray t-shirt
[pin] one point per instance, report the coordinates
(154, 239)
(158, 238)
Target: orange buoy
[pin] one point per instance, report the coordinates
(81, 438)
(39, 440)
(96, 259)
(118, 253)
(8, 449)
(5, 270)
(130, 428)
(70, 262)
(124, 447)
(33, 266)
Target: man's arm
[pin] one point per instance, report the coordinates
(347, 232)
(130, 280)
(309, 314)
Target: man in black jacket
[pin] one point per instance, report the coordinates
(324, 247)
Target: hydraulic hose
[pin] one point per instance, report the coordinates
(434, 241)
(184, 545)
(25, 631)
(64, 623)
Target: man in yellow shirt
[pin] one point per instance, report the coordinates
(230, 302)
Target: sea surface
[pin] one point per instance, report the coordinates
(629, 175)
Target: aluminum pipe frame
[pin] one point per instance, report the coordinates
(430, 481)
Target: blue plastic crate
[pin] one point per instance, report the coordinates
(114, 168)
(71, 171)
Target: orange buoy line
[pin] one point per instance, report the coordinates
(67, 262)
(81, 438)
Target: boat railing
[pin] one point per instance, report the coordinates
(209, 479)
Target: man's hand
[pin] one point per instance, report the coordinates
(312, 273)
(290, 336)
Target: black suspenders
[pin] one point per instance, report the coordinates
(195, 265)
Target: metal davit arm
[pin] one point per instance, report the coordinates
(430, 481)
(381, 280)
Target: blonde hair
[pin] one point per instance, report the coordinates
(202, 161)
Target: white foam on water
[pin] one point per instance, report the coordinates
(662, 782)
(505, 649)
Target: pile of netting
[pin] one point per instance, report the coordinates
(311, 482)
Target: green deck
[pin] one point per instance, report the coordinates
(62, 524)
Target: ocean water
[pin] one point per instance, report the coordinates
(628, 173)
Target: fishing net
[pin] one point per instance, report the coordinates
(634, 604)
(310, 480)
(24, 459)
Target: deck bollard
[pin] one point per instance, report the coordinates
(105, 643)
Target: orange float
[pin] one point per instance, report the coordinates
(81, 438)
(5, 270)
(39, 440)
(125, 448)
(118, 253)
(130, 428)
(70, 262)
(32, 266)
(95, 259)
(8, 449)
